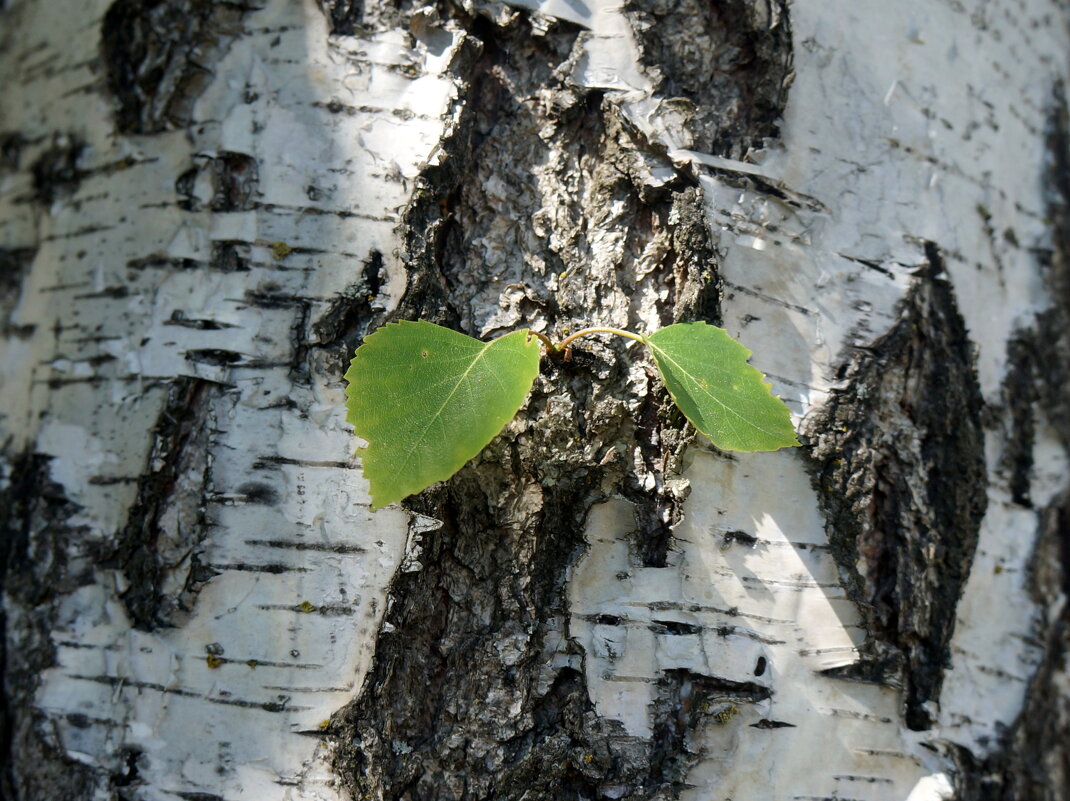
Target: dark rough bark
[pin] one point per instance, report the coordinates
(361, 18)
(159, 55)
(464, 699)
(737, 51)
(898, 461)
(35, 572)
(166, 523)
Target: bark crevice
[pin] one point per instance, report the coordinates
(158, 550)
(897, 457)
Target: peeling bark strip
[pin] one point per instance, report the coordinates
(898, 459)
(159, 56)
(542, 214)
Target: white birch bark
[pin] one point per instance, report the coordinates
(906, 124)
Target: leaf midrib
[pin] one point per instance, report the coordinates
(445, 403)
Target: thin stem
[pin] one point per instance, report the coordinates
(565, 342)
(549, 343)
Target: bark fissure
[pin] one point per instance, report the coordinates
(898, 462)
(167, 522)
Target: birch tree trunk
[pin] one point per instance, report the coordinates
(204, 207)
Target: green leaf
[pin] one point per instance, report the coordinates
(707, 374)
(428, 399)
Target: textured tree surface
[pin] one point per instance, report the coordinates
(206, 206)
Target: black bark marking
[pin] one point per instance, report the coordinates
(230, 257)
(216, 357)
(898, 463)
(339, 548)
(273, 462)
(14, 264)
(727, 63)
(281, 704)
(56, 172)
(772, 724)
(185, 186)
(179, 318)
(158, 262)
(259, 493)
(227, 256)
(235, 179)
(177, 478)
(1020, 392)
(366, 17)
(128, 772)
(674, 627)
(1053, 325)
(742, 537)
(11, 145)
(36, 570)
(344, 16)
(159, 56)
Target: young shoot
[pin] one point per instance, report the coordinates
(427, 398)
